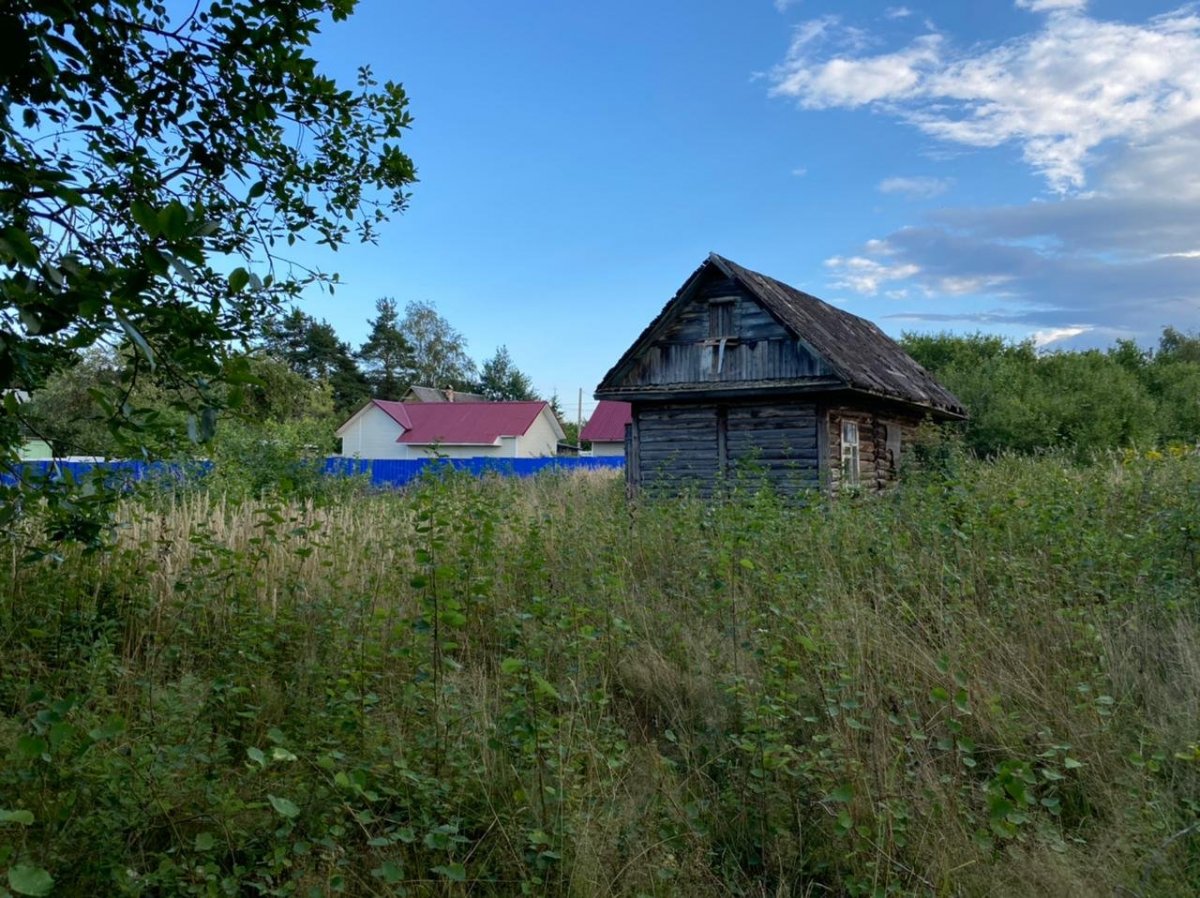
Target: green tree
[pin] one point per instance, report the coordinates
(313, 350)
(276, 394)
(64, 412)
(1179, 346)
(1020, 401)
(439, 352)
(155, 162)
(500, 379)
(386, 354)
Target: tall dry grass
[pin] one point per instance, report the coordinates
(983, 683)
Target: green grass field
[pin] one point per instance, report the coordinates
(986, 682)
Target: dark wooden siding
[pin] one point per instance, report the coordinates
(879, 463)
(774, 441)
(761, 348)
(676, 448)
(680, 447)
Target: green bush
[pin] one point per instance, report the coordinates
(984, 682)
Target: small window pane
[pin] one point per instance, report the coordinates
(850, 454)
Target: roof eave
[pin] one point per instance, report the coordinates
(495, 442)
(724, 390)
(645, 337)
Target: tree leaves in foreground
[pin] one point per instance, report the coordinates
(155, 169)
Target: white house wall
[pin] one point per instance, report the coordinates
(540, 440)
(458, 451)
(601, 448)
(374, 435)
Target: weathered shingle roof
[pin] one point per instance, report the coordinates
(862, 355)
(607, 423)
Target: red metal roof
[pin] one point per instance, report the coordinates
(397, 411)
(461, 423)
(607, 424)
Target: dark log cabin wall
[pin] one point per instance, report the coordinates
(693, 446)
(742, 377)
(724, 339)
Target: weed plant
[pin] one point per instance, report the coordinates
(984, 682)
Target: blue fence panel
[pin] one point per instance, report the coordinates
(399, 472)
(383, 472)
(116, 473)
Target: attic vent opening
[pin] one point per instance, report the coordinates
(720, 318)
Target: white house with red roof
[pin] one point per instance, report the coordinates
(605, 429)
(399, 430)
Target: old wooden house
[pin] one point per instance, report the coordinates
(743, 375)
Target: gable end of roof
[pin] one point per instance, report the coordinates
(863, 357)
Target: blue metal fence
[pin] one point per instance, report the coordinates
(396, 472)
(381, 472)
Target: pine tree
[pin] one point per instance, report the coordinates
(387, 354)
(500, 379)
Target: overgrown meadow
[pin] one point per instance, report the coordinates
(985, 682)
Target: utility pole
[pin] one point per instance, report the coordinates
(579, 423)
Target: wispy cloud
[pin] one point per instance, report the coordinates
(785, 5)
(919, 187)
(1044, 338)
(897, 12)
(1108, 113)
(865, 275)
(1052, 5)
(799, 171)
(851, 82)
(1058, 93)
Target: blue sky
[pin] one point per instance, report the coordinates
(1027, 168)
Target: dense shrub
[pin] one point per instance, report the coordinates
(985, 682)
(1021, 400)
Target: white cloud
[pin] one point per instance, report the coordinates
(849, 82)
(920, 187)
(1107, 112)
(957, 285)
(1051, 5)
(1044, 338)
(800, 171)
(785, 5)
(864, 275)
(897, 12)
(1059, 93)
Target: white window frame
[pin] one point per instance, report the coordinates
(851, 457)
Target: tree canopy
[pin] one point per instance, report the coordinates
(439, 351)
(387, 355)
(155, 167)
(313, 350)
(500, 379)
(1022, 400)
